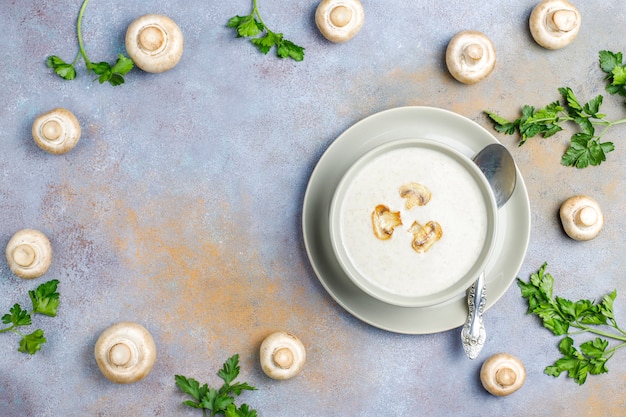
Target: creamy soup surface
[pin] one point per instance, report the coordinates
(457, 204)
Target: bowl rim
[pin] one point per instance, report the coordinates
(379, 293)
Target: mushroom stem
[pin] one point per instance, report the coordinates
(52, 130)
(340, 16)
(24, 255)
(151, 39)
(561, 20)
(283, 358)
(586, 216)
(473, 52)
(505, 377)
(120, 354)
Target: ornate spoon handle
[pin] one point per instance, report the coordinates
(473, 334)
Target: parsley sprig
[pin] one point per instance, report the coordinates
(45, 300)
(611, 63)
(252, 25)
(218, 401)
(113, 74)
(564, 317)
(586, 146)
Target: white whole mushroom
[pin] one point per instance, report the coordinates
(154, 42)
(282, 355)
(56, 131)
(29, 253)
(581, 217)
(554, 24)
(470, 56)
(502, 374)
(339, 20)
(125, 352)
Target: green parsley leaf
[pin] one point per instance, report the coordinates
(610, 60)
(288, 49)
(31, 343)
(230, 370)
(218, 401)
(45, 298)
(243, 411)
(252, 26)
(247, 26)
(611, 64)
(18, 317)
(191, 386)
(560, 315)
(61, 68)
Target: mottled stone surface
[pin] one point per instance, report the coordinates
(180, 208)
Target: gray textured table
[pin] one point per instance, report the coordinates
(180, 208)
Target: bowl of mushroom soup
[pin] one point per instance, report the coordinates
(413, 222)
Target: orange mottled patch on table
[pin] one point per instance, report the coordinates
(210, 277)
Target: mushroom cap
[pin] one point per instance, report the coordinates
(339, 20)
(56, 131)
(29, 253)
(502, 374)
(125, 352)
(470, 56)
(282, 355)
(154, 42)
(554, 23)
(581, 217)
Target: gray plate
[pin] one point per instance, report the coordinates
(404, 123)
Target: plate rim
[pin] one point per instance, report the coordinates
(385, 126)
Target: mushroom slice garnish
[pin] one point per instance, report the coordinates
(425, 236)
(384, 221)
(29, 253)
(415, 194)
(554, 24)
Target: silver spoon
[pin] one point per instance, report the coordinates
(497, 164)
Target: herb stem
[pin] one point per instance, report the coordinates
(79, 33)
(255, 11)
(585, 329)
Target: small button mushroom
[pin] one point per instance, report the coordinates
(154, 42)
(415, 195)
(554, 23)
(29, 253)
(470, 56)
(581, 217)
(502, 374)
(425, 236)
(339, 20)
(56, 131)
(384, 221)
(282, 355)
(125, 352)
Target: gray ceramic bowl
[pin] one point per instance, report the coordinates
(392, 269)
